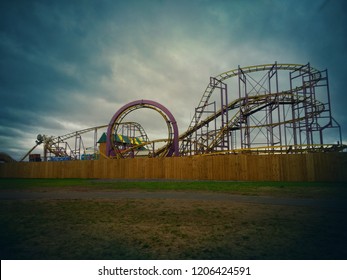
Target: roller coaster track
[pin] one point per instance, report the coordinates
(53, 144)
(170, 148)
(65, 137)
(287, 148)
(145, 142)
(299, 107)
(58, 145)
(256, 103)
(236, 72)
(158, 153)
(251, 104)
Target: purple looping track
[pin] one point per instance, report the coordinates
(173, 150)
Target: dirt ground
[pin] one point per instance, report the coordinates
(85, 193)
(79, 223)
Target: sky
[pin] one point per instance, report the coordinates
(68, 65)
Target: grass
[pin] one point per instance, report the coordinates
(171, 228)
(286, 189)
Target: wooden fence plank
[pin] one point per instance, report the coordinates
(290, 167)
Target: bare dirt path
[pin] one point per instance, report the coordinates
(78, 194)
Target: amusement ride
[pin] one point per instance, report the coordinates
(271, 108)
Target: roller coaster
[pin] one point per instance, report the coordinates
(274, 108)
(264, 118)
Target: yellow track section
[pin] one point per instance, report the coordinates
(257, 100)
(161, 151)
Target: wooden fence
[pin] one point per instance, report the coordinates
(291, 167)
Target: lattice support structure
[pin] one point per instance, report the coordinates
(276, 108)
(269, 108)
(171, 148)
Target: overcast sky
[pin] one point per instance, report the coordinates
(69, 65)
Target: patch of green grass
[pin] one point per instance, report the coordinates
(6, 183)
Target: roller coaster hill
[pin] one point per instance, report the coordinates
(264, 109)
